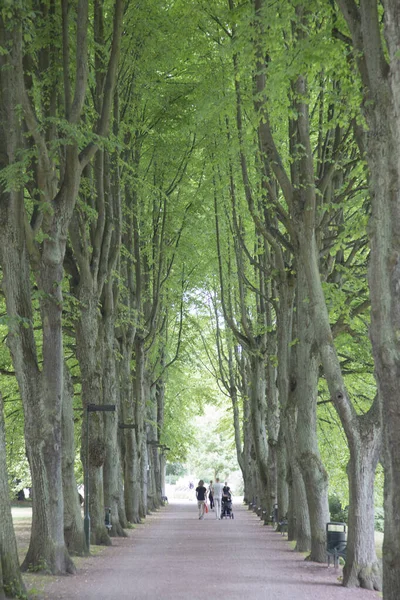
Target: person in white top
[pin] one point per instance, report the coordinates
(217, 493)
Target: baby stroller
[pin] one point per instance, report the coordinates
(226, 507)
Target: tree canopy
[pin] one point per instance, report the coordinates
(198, 215)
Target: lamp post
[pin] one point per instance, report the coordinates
(86, 521)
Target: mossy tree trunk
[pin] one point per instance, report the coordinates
(10, 575)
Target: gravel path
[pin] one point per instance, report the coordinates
(173, 555)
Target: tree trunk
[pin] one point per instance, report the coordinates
(258, 419)
(153, 500)
(160, 426)
(314, 474)
(112, 463)
(131, 453)
(286, 289)
(362, 567)
(144, 470)
(273, 421)
(41, 392)
(384, 274)
(298, 517)
(10, 575)
(140, 412)
(73, 523)
(363, 433)
(282, 489)
(248, 452)
(121, 444)
(89, 355)
(380, 73)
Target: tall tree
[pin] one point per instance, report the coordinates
(300, 193)
(35, 234)
(376, 54)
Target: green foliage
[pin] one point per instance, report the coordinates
(174, 471)
(337, 512)
(213, 454)
(379, 519)
(178, 150)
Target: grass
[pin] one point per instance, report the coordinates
(36, 582)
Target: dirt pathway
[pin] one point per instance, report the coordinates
(176, 556)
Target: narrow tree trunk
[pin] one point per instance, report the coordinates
(298, 519)
(153, 500)
(73, 523)
(298, 516)
(286, 289)
(282, 484)
(89, 354)
(112, 464)
(258, 418)
(314, 474)
(140, 413)
(131, 453)
(121, 444)
(10, 576)
(131, 478)
(144, 470)
(160, 482)
(362, 567)
(248, 453)
(273, 421)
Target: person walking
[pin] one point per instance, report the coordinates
(210, 495)
(201, 495)
(217, 495)
(226, 491)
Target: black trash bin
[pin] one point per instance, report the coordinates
(336, 541)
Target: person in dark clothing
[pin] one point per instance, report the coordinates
(201, 495)
(210, 495)
(226, 491)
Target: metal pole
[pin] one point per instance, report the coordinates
(86, 520)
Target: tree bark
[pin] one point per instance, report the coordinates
(89, 355)
(73, 523)
(41, 391)
(258, 418)
(362, 567)
(139, 409)
(314, 474)
(43, 406)
(298, 516)
(10, 575)
(131, 452)
(363, 433)
(112, 464)
(380, 73)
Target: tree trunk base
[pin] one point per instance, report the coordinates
(75, 542)
(367, 577)
(117, 531)
(100, 537)
(51, 563)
